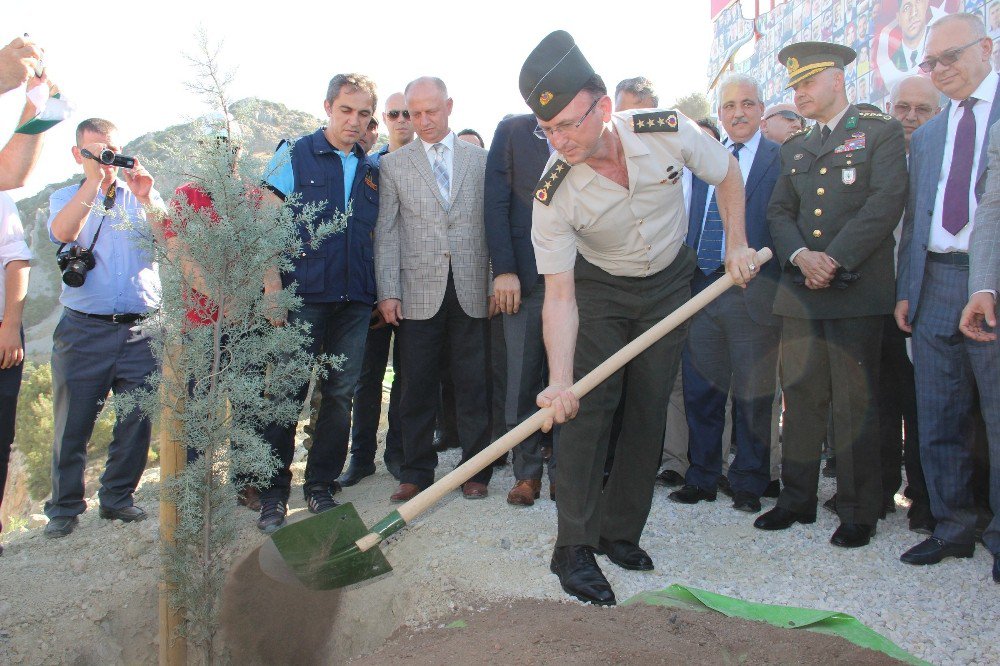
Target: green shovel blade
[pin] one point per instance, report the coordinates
(321, 552)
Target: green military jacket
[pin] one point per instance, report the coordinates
(843, 197)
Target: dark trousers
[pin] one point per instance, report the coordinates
(832, 364)
(336, 329)
(950, 369)
(526, 378)
(368, 401)
(10, 386)
(613, 311)
(453, 334)
(897, 405)
(91, 358)
(727, 348)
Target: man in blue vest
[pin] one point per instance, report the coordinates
(336, 282)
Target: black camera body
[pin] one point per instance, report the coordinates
(110, 158)
(74, 263)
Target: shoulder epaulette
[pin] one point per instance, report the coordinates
(804, 130)
(655, 121)
(873, 115)
(550, 182)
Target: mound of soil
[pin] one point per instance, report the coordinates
(532, 631)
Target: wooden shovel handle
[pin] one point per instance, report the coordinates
(429, 497)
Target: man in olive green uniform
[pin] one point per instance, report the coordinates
(608, 227)
(832, 213)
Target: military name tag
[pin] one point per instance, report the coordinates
(848, 176)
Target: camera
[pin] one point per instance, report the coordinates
(110, 158)
(74, 264)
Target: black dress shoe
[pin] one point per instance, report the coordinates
(773, 489)
(724, 487)
(60, 526)
(669, 477)
(996, 568)
(933, 550)
(690, 494)
(625, 554)
(748, 502)
(128, 514)
(781, 519)
(580, 576)
(852, 535)
(355, 472)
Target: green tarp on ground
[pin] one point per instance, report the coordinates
(789, 617)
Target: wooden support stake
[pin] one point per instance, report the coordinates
(173, 647)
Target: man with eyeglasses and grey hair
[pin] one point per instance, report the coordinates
(608, 228)
(780, 121)
(948, 160)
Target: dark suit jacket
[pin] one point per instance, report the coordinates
(759, 294)
(513, 167)
(926, 158)
(843, 197)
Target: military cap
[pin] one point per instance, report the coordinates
(553, 74)
(808, 58)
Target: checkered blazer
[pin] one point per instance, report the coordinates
(984, 245)
(419, 234)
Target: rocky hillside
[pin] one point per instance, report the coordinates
(264, 124)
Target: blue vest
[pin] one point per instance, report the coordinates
(342, 268)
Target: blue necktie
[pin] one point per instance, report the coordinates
(710, 244)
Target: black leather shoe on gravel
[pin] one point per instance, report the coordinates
(748, 502)
(60, 526)
(580, 576)
(128, 514)
(626, 554)
(933, 550)
(272, 514)
(319, 497)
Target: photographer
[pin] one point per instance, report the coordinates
(110, 287)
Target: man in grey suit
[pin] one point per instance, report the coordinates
(947, 180)
(984, 284)
(432, 265)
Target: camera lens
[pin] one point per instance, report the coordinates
(107, 156)
(76, 273)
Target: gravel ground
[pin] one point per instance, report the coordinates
(90, 598)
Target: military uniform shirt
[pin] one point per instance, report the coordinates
(631, 233)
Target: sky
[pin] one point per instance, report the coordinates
(126, 62)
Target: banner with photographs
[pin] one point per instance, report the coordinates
(732, 31)
(888, 35)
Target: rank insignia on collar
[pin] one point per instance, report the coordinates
(550, 182)
(371, 182)
(851, 123)
(655, 121)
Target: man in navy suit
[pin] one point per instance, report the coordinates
(733, 341)
(948, 160)
(515, 163)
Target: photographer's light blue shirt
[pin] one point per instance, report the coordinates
(125, 279)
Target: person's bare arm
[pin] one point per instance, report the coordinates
(731, 198)
(16, 290)
(20, 155)
(560, 322)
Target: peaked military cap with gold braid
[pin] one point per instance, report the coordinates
(550, 182)
(654, 121)
(805, 59)
(553, 74)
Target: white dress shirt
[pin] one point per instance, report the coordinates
(449, 157)
(941, 240)
(745, 159)
(12, 245)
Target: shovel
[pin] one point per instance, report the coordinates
(335, 549)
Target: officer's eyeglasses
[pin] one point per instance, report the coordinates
(394, 114)
(562, 128)
(903, 109)
(948, 58)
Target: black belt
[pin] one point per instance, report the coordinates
(953, 258)
(126, 318)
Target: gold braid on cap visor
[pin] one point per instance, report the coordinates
(804, 72)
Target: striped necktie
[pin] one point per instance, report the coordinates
(441, 171)
(710, 244)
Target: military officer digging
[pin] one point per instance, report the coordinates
(840, 194)
(608, 226)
